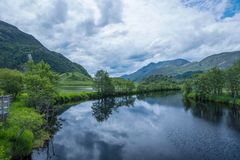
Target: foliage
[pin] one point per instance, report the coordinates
(23, 144)
(123, 86)
(40, 84)
(233, 79)
(158, 78)
(210, 85)
(11, 81)
(103, 83)
(187, 87)
(23, 130)
(26, 118)
(201, 85)
(216, 80)
(68, 97)
(4, 146)
(158, 83)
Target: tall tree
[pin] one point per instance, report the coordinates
(103, 84)
(40, 84)
(233, 79)
(216, 81)
(201, 85)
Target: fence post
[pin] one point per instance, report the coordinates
(2, 108)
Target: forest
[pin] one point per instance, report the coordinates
(215, 85)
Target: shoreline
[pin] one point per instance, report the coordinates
(221, 99)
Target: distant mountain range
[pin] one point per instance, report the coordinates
(181, 68)
(16, 46)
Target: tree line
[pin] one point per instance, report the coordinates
(215, 82)
(104, 85)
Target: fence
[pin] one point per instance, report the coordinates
(4, 106)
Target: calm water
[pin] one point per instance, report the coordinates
(150, 127)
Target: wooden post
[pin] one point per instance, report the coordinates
(2, 108)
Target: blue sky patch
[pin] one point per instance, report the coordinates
(232, 9)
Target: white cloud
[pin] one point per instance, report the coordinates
(123, 35)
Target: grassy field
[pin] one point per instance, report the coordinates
(74, 82)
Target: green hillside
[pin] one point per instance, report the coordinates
(74, 82)
(181, 68)
(15, 46)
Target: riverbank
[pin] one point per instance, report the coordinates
(22, 131)
(223, 99)
(72, 97)
(29, 122)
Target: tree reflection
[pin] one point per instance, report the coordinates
(233, 118)
(103, 108)
(215, 113)
(208, 111)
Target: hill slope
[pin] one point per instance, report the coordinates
(182, 68)
(163, 68)
(15, 46)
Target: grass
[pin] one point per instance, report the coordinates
(69, 97)
(74, 82)
(224, 98)
(24, 119)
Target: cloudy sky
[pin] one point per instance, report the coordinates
(123, 35)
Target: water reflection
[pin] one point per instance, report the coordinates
(233, 119)
(152, 127)
(103, 108)
(208, 111)
(215, 113)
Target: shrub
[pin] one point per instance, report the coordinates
(22, 144)
(11, 81)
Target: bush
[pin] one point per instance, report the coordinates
(22, 131)
(24, 117)
(11, 81)
(4, 148)
(22, 145)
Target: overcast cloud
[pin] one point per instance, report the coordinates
(123, 35)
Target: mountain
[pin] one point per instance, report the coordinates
(163, 68)
(16, 46)
(181, 68)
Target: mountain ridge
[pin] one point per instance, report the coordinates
(16, 45)
(222, 60)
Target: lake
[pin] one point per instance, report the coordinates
(159, 126)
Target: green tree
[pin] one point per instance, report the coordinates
(232, 76)
(201, 85)
(11, 81)
(187, 87)
(216, 81)
(122, 85)
(40, 84)
(103, 84)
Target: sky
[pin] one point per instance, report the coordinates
(121, 36)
